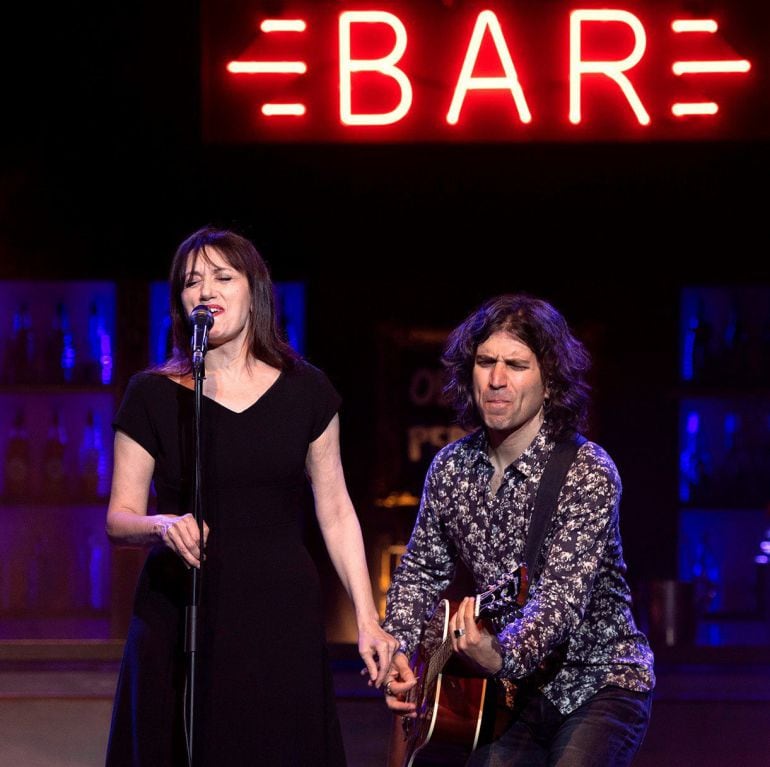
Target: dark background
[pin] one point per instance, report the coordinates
(103, 172)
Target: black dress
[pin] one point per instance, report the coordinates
(265, 695)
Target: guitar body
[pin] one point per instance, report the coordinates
(456, 711)
(449, 707)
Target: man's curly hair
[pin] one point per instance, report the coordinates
(563, 359)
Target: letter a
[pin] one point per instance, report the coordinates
(466, 81)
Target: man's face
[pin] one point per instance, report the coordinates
(507, 386)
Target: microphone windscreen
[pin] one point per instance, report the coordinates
(202, 315)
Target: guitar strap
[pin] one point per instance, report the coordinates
(545, 502)
(555, 471)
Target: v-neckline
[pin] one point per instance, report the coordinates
(224, 407)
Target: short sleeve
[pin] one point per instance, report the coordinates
(133, 416)
(326, 401)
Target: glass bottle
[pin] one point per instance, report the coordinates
(696, 357)
(728, 487)
(736, 344)
(17, 468)
(97, 571)
(35, 572)
(164, 343)
(706, 577)
(54, 481)
(695, 463)
(99, 367)
(92, 460)
(60, 349)
(762, 562)
(20, 352)
(67, 357)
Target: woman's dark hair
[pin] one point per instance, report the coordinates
(264, 339)
(563, 360)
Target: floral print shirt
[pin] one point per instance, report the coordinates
(577, 621)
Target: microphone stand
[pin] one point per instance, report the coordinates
(191, 611)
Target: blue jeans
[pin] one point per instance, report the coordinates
(606, 731)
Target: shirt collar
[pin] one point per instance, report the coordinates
(528, 463)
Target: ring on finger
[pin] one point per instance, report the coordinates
(459, 633)
(388, 691)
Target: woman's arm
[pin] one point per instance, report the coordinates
(127, 521)
(342, 534)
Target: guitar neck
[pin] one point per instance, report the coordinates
(438, 660)
(512, 592)
(443, 652)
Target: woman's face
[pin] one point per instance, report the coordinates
(211, 281)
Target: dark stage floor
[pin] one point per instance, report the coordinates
(711, 710)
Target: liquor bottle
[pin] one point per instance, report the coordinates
(97, 571)
(54, 484)
(764, 345)
(164, 343)
(728, 489)
(105, 359)
(99, 366)
(762, 562)
(92, 461)
(17, 469)
(695, 463)
(18, 365)
(5, 584)
(706, 577)
(697, 360)
(34, 573)
(736, 344)
(59, 363)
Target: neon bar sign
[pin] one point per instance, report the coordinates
(494, 71)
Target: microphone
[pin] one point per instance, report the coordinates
(201, 319)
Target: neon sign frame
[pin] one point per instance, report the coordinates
(495, 71)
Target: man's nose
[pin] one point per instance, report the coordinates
(497, 377)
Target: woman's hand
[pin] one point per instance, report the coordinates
(376, 648)
(398, 681)
(181, 535)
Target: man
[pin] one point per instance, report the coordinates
(583, 672)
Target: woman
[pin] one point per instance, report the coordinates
(269, 423)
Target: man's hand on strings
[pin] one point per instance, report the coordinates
(472, 641)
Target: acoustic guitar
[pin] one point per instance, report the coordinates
(456, 710)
